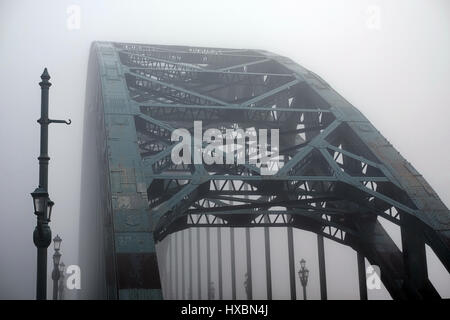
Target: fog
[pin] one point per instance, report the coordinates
(388, 58)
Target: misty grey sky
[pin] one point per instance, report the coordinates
(395, 69)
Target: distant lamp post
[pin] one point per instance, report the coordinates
(57, 243)
(303, 274)
(62, 270)
(211, 291)
(247, 286)
(42, 235)
(56, 258)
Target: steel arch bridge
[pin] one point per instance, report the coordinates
(339, 175)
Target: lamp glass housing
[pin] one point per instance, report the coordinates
(57, 243)
(302, 263)
(50, 204)
(40, 198)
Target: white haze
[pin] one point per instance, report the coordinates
(396, 72)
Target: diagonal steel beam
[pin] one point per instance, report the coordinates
(168, 85)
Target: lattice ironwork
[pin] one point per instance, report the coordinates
(339, 172)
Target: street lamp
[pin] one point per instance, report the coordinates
(56, 258)
(62, 270)
(211, 291)
(42, 238)
(57, 243)
(42, 204)
(247, 286)
(40, 198)
(42, 235)
(303, 274)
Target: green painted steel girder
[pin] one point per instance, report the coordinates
(139, 94)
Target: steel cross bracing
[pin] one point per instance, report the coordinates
(339, 172)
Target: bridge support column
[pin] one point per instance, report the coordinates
(208, 261)
(190, 296)
(183, 266)
(268, 266)
(219, 261)
(414, 258)
(176, 265)
(199, 279)
(322, 272)
(233, 265)
(170, 264)
(293, 288)
(362, 277)
(249, 288)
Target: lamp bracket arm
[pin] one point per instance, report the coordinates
(48, 121)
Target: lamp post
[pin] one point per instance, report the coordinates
(247, 286)
(56, 258)
(62, 270)
(211, 291)
(303, 274)
(42, 238)
(42, 204)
